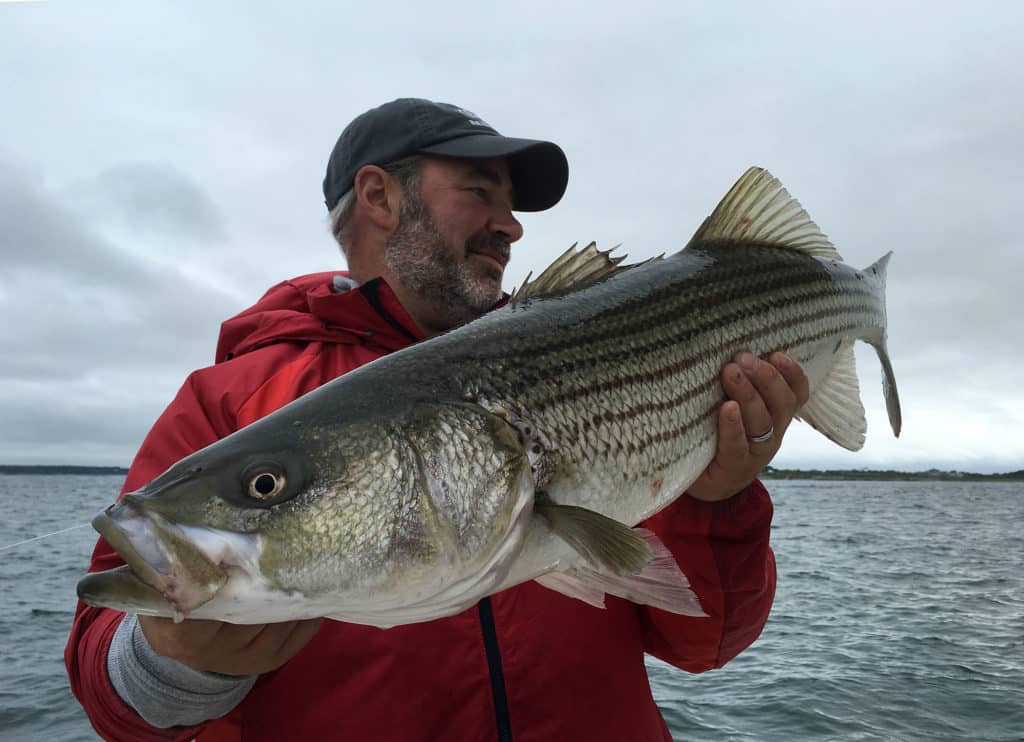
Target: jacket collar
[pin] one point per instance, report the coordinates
(327, 307)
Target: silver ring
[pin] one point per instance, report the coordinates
(764, 437)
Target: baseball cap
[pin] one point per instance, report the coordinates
(409, 126)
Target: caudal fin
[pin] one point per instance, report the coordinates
(835, 409)
(892, 397)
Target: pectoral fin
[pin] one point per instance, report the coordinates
(607, 544)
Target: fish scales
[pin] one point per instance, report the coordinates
(415, 485)
(624, 380)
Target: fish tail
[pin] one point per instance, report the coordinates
(877, 271)
(835, 409)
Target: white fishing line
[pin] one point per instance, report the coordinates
(45, 535)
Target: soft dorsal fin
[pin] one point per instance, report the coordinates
(573, 270)
(759, 210)
(835, 409)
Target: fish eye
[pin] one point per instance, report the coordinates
(266, 485)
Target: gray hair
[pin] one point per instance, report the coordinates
(406, 171)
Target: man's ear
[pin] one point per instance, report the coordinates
(379, 196)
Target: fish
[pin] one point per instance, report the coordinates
(525, 445)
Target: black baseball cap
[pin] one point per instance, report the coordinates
(410, 126)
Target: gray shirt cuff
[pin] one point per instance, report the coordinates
(164, 692)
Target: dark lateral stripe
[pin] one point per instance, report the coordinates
(681, 366)
(610, 330)
(721, 314)
(652, 311)
(534, 374)
(686, 395)
(716, 285)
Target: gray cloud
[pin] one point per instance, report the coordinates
(163, 166)
(101, 336)
(152, 197)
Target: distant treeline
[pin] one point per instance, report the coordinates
(61, 469)
(932, 475)
(769, 473)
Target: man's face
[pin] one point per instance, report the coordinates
(454, 235)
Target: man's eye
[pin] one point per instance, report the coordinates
(481, 192)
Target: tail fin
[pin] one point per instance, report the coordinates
(892, 397)
(835, 409)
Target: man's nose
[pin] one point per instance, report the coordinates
(506, 223)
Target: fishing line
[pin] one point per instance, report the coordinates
(45, 535)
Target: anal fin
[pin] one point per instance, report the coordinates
(660, 584)
(572, 586)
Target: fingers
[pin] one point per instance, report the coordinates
(178, 640)
(229, 649)
(738, 382)
(781, 385)
(733, 466)
(763, 395)
(299, 637)
(270, 646)
(277, 642)
(732, 435)
(794, 376)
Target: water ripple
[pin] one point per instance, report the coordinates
(899, 616)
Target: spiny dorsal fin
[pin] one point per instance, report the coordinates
(759, 210)
(573, 270)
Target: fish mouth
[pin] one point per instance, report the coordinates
(162, 559)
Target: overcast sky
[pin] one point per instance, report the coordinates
(160, 168)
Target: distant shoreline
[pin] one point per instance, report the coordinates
(60, 469)
(889, 475)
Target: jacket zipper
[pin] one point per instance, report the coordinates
(495, 668)
(371, 290)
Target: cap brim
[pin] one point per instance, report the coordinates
(538, 169)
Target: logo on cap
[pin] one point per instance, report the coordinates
(474, 120)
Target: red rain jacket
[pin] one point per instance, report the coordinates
(527, 664)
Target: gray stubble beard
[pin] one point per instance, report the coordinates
(422, 259)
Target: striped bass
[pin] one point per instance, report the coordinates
(524, 445)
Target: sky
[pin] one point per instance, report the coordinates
(161, 166)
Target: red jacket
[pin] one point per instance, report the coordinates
(533, 663)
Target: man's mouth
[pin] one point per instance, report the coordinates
(500, 259)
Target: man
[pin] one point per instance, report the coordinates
(422, 199)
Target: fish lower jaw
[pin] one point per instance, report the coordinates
(184, 596)
(187, 589)
(186, 565)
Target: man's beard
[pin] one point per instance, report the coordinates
(423, 260)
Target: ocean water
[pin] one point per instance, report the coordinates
(899, 616)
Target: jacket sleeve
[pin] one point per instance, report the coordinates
(723, 549)
(183, 428)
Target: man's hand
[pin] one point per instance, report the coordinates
(763, 396)
(229, 649)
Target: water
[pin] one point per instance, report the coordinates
(38, 600)
(899, 616)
